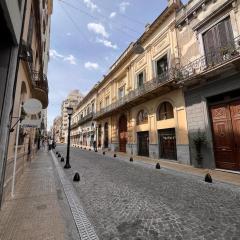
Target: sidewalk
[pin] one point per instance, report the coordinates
(39, 209)
(222, 176)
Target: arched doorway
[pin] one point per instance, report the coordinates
(106, 135)
(122, 133)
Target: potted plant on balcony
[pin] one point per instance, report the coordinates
(199, 140)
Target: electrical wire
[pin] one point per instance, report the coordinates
(97, 18)
(123, 15)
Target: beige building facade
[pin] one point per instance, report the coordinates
(56, 131)
(31, 83)
(83, 128)
(73, 99)
(140, 107)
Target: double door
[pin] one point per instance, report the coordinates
(226, 135)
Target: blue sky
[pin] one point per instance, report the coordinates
(87, 36)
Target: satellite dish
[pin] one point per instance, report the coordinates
(32, 106)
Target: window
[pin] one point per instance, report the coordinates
(165, 111)
(121, 92)
(30, 29)
(218, 41)
(142, 117)
(107, 101)
(100, 105)
(162, 67)
(140, 79)
(93, 107)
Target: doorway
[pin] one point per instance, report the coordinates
(226, 134)
(167, 144)
(106, 135)
(143, 143)
(122, 133)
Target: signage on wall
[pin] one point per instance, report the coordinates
(33, 109)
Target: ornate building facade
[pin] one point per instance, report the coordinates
(209, 39)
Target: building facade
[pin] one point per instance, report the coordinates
(140, 107)
(209, 40)
(31, 82)
(73, 99)
(56, 133)
(12, 14)
(83, 127)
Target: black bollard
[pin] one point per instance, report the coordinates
(131, 159)
(59, 155)
(208, 178)
(56, 153)
(62, 159)
(158, 166)
(89, 149)
(76, 177)
(114, 155)
(103, 153)
(96, 150)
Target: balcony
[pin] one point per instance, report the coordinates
(25, 52)
(160, 85)
(40, 87)
(214, 63)
(83, 120)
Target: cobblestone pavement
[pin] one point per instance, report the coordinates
(39, 210)
(125, 200)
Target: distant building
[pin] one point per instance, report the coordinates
(73, 99)
(57, 123)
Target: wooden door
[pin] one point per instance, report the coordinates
(167, 144)
(122, 133)
(235, 115)
(223, 137)
(143, 143)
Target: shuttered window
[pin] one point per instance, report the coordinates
(218, 40)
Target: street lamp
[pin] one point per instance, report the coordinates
(69, 112)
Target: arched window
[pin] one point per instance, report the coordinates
(142, 117)
(165, 111)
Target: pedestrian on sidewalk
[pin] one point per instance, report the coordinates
(50, 141)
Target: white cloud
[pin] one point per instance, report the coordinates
(54, 54)
(91, 5)
(71, 59)
(112, 14)
(68, 34)
(107, 43)
(98, 28)
(91, 65)
(123, 6)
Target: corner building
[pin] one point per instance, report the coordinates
(209, 41)
(140, 105)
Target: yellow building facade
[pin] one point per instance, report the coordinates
(140, 107)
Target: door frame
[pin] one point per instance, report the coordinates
(214, 104)
(138, 133)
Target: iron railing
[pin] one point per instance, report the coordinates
(25, 52)
(39, 80)
(86, 118)
(166, 77)
(212, 59)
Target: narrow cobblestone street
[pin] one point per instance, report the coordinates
(126, 200)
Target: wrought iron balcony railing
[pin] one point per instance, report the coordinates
(213, 59)
(25, 52)
(86, 118)
(39, 80)
(164, 78)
